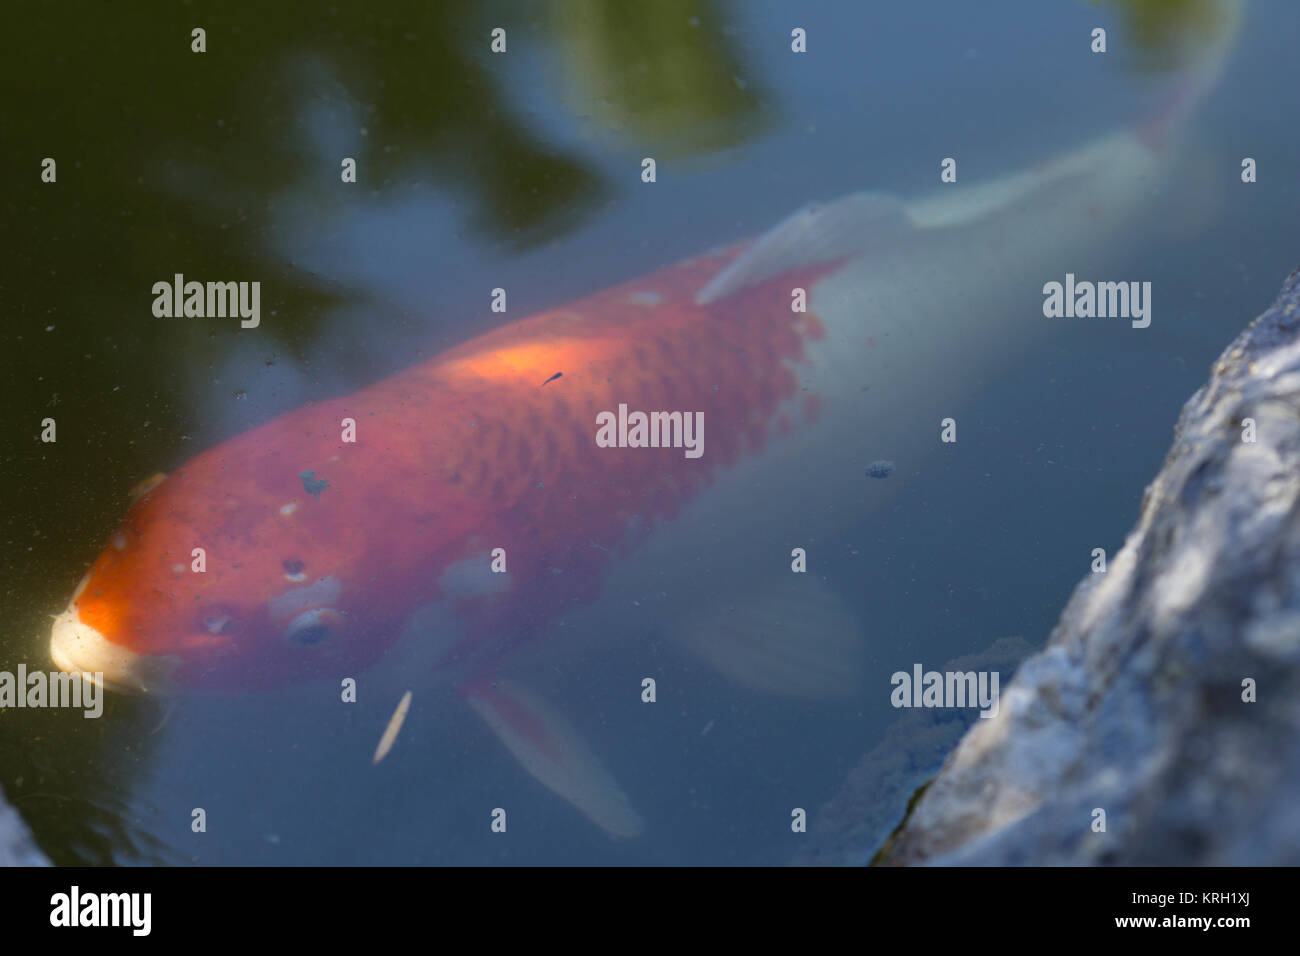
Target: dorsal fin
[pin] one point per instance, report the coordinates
(819, 232)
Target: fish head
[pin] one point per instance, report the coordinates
(214, 582)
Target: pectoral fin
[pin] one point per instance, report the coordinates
(551, 750)
(796, 638)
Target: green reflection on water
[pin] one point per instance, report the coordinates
(173, 161)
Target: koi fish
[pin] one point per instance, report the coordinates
(460, 510)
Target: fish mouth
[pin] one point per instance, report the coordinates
(77, 648)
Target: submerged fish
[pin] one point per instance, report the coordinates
(465, 454)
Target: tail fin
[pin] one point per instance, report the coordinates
(855, 224)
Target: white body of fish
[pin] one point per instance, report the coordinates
(937, 297)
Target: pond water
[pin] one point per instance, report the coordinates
(523, 170)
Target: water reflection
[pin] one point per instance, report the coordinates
(231, 170)
(193, 174)
(664, 77)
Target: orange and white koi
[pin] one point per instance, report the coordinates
(319, 551)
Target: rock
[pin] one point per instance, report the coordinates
(850, 828)
(1138, 705)
(16, 846)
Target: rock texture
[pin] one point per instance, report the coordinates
(850, 828)
(16, 846)
(1138, 705)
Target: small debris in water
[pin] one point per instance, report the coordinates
(553, 378)
(880, 469)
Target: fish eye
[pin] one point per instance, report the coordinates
(313, 628)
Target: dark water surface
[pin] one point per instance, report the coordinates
(522, 170)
